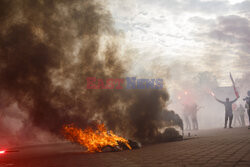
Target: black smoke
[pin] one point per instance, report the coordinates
(47, 50)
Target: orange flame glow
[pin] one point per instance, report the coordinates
(94, 140)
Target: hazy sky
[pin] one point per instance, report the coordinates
(187, 36)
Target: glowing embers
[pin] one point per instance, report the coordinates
(95, 139)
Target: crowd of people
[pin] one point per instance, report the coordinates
(233, 113)
(232, 110)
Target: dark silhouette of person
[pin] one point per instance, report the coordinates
(186, 114)
(247, 99)
(228, 110)
(241, 111)
(193, 111)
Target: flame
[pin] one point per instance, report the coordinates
(94, 140)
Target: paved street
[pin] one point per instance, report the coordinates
(217, 147)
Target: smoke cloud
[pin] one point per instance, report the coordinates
(49, 48)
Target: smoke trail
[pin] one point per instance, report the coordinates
(48, 48)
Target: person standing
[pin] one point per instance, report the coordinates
(236, 115)
(186, 114)
(241, 111)
(193, 112)
(247, 99)
(228, 110)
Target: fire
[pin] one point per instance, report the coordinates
(94, 140)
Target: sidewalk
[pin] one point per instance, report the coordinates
(217, 147)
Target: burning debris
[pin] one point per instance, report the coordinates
(170, 134)
(95, 140)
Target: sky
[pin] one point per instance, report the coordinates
(184, 37)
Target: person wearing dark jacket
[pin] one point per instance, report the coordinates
(228, 110)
